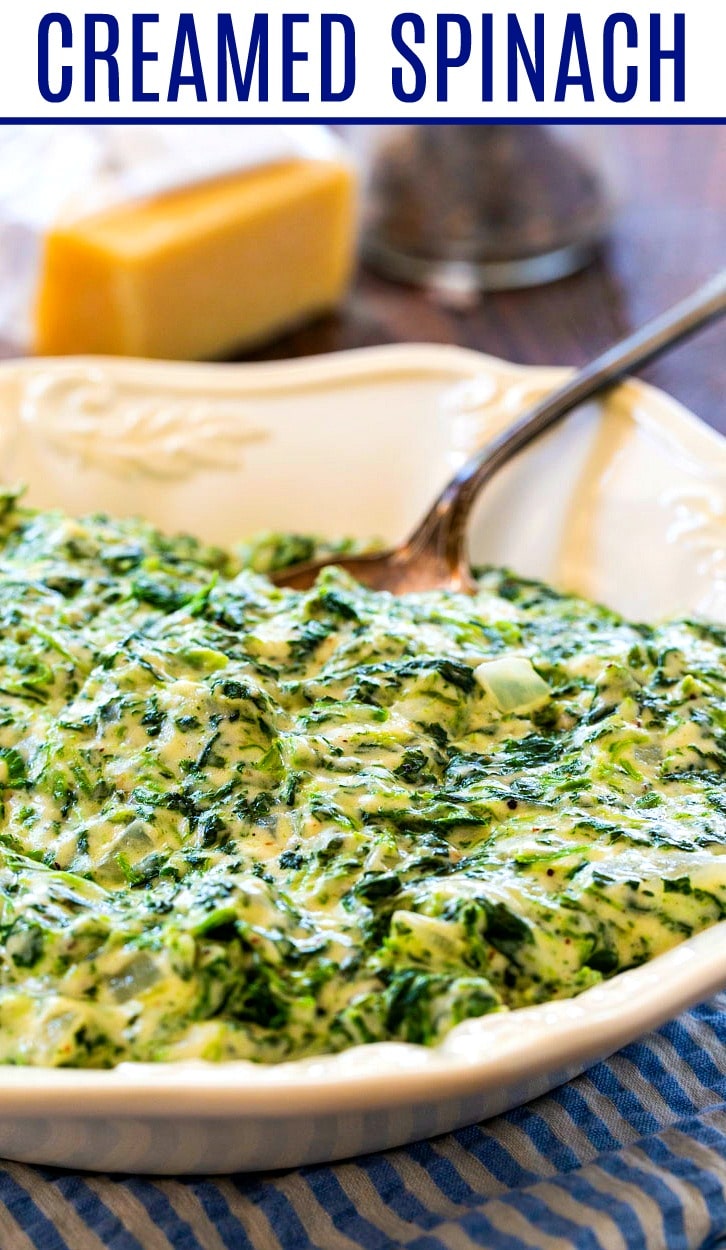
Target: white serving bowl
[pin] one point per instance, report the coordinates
(625, 502)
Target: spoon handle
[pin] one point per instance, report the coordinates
(443, 530)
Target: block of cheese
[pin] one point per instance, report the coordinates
(203, 271)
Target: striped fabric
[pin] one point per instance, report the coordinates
(632, 1156)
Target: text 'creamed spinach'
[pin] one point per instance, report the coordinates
(243, 822)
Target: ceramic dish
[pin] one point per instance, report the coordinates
(625, 503)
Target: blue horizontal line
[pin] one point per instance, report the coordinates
(362, 121)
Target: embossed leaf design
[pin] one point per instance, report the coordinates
(125, 429)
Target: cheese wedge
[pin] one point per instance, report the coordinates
(200, 272)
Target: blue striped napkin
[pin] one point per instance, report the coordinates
(631, 1156)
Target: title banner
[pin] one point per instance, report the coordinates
(363, 61)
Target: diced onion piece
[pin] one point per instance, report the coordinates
(139, 974)
(513, 683)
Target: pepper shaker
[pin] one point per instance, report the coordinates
(461, 209)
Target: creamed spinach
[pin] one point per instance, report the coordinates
(243, 822)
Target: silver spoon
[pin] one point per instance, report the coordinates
(435, 557)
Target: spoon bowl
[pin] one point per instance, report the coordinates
(400, 570)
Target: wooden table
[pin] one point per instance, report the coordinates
(669, 236)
